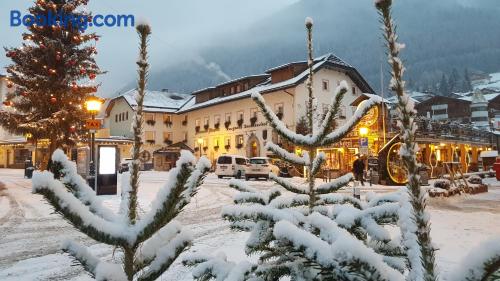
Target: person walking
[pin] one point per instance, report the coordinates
(358, 167)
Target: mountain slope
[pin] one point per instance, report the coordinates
(440, 35)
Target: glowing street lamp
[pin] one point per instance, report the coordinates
(92, 105)
(363, 131)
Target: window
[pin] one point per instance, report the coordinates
(167, 118)
(216, 141)
(126, 115)
(239, 139)
(326, 85)
(197, 122)
(150, 136)
(354, 90)
(227, 141)
(185, 136)
(224, 160)
(167, 136)
(228, 117)
(206, 121)
(264, 134)
(260, 161)
(253, 112)
(245, 86)
(342, 111)
(240, 115)
(278, 108)
(233, 90)
(149, 117)
(217, 119)
(116, 118)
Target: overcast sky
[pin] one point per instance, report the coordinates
(180, 28)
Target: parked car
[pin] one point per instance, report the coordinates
(231, 166)
(124, 165)
(260, 167)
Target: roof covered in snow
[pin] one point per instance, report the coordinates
(157, 101)
(492, 83)
(328, 60)
(261, 76)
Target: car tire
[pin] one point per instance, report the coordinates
(238, 175)
(247, 178)
(220, 177)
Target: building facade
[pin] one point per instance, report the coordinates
(225, 120)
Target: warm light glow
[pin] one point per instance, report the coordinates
(200, 141)
(93, 104)
(363, 131)
(442, 144)
(489, 148)
(298, 151)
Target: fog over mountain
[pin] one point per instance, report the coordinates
(439, 35)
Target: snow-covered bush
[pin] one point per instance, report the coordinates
(442, 183)
(304, 230)
(149, 244)
(474, 179)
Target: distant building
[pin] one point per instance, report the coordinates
(479, 110)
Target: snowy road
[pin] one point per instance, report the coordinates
(30, 234)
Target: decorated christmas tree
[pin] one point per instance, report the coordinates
(147, 245)
(304, 230)
(51, 75)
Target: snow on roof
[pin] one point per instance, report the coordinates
(491, 153)
(264, 87)
(329, 56)
(417, 97)
(158, 101)
(232, 81)
(492, 83)
(488, 97)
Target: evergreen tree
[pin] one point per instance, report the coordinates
(467, 85)
(310, 232)
(444, 88)
(453, 81)
(415, 221)
(52, 73)
(148, 245)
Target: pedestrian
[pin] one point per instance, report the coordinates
(358, 168)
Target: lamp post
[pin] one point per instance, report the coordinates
(200, 142)
(93, 105)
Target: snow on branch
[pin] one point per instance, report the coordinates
(482, 263)
(206, 267)
(79, 187)
(340, 199)
(148, 250)
(319, 160)
(340, 91)
(277, 124)
(288, 156)
(181, 183)
(342, 251)
(78, 214)
(295, 200)
(335, 184)
(288, 185)
(165, 256)
(340, 132)
(258, 212)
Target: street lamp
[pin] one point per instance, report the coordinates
(93, 105)
(363, 131)
(200, 142)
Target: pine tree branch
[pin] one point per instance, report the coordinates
(181, 185)
(340, 199)
(318, 161)
(288, 185)
(481, 264)
(82, 255)
(409, 149)
(342, 131)
(284, 202)
(79, 187)
(288, 156)
(78, 214)
(332, 111)
(165, 256)
(335, 184)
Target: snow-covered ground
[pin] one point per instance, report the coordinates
(30, 234)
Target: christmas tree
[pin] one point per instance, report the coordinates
(147, 245)
(52, 75)
(304, 230)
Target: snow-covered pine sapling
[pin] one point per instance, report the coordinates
(415, 221)
(147, 245)
(310, 232)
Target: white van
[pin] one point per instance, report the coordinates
(260, 167)
(231, 166)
